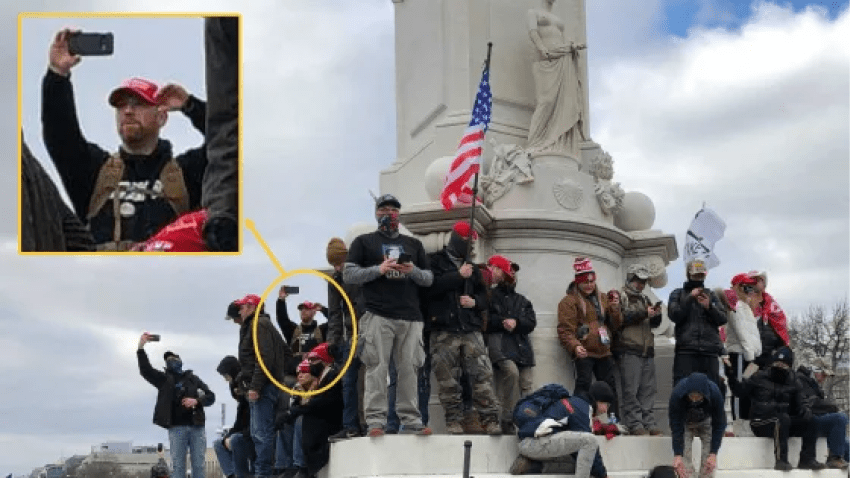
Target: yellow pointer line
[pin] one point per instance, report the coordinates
(250, 224)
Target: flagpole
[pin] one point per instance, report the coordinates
(475, 180)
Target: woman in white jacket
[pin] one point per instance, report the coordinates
(743, 342)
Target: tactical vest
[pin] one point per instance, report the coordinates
(108, 182)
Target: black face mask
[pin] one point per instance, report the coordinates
(779, 375)
(694, 284)
(458, 246)
(316, 369)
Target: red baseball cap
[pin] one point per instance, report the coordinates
(185, 234)
(306, 305)
(744, 279)
(144, 89)
(463, 229)
(320, 352)
(502, 263)
(249, 299)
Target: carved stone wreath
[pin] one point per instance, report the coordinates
(568, 193)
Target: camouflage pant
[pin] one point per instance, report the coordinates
(450, 354)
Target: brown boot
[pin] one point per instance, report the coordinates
(836, 462)
(472, 424)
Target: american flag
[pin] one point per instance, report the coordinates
(468, 158)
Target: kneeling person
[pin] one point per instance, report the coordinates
(552, 425)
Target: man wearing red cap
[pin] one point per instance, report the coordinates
(262, 393)
(307, 334)
(456, 305)
(510, 319)
(586, 319)
(391, 267)
(742, 340)
(128, 196)
(770, 318)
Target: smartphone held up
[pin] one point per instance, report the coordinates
(90, 44)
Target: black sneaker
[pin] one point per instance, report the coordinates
(343, 434)
(782, 466)
(811, 465)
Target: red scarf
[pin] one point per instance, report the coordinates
(771, 311)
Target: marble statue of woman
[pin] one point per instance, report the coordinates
(557, 123)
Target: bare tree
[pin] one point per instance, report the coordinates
(819, 334)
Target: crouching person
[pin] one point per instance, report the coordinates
(321, 415)
(696, 410)
(552, 424)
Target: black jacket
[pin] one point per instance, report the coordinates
(697, 328)
(165, 383)
(507, 303)
(769, 398)
(443, 297)
(275, 353)
(813, 395)
(339, 316)
(78, 163)
(770, 341)
(47, 223)
(322, 417)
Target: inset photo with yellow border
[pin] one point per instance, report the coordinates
(130, 131)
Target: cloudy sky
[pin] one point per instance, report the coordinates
(740, 105)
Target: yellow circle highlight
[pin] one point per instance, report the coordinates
(351, 351)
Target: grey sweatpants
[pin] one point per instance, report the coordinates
(639, 389)
(558, 445)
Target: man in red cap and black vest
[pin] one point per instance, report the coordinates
(127, 196)
(456, 306)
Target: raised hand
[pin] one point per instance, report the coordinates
(60, 57)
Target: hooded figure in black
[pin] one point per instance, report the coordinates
(778, 409)
(696, 410)
(235, 449)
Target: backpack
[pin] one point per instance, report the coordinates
(529, 410)
(108, 182)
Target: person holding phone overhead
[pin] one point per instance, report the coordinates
(634, 349)
(698, 314)
(126, 196)
(180, 401)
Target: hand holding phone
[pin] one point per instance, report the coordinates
(90, 44)
(404, 258)
(153, 337)
(291, 289)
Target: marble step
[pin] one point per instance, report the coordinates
(626, 457)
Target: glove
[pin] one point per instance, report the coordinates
(545, 428)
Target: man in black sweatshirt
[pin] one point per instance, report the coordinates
(126, 196)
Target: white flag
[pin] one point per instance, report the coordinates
(706, 229)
